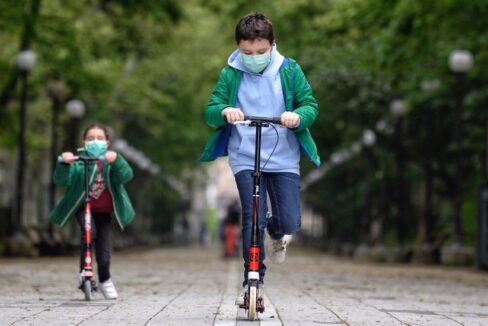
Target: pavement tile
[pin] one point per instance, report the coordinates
(195, 286)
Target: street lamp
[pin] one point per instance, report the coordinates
(25, 62)
(356, 147)
(368, 138)
(460, 62)
(336, 158)
(398, 108)
(75, 109)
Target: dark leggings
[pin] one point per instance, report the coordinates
(102, 235)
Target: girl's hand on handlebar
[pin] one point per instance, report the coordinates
(232, 115)
(290, 119)
(68, 157)
(110, 156)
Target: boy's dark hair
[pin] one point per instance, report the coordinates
(253, 26)
(97, 125)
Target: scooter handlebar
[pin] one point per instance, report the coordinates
(85, 158)
(251, 119)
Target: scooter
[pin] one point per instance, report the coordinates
(254, 303)
(87, 283)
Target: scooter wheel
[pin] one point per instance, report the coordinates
(253, 296)
(87, 288)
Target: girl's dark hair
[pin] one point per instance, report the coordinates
(97, 125)
(253, 26)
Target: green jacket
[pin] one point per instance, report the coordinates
(72, 176)
(298, 98)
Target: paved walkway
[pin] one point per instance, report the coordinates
(195, 287)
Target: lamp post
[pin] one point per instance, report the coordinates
(460, 62)
(25, 62)
(56, 90)
(428, 87)
(486, 147)
(482, 223)
(75, 109)
(362, 252)
(398, 108)
(383, 128)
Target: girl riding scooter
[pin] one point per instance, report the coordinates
(108, 198)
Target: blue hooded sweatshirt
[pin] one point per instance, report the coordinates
(261, 95)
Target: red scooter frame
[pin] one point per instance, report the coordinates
(87, 283)
(253, 303)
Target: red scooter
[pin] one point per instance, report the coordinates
(254, 303)
(87, 283)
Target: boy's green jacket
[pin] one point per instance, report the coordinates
(72, 176)
(298, 98)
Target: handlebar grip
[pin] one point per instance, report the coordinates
(276, 120)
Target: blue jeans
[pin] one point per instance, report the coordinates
(284, 192)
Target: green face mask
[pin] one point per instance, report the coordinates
(96, 148)
(255, 63)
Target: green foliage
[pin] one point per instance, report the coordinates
(363, 54)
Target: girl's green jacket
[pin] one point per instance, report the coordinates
(298, 98)
(72, 176)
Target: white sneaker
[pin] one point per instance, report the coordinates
(240, 297)
(276, 249)
(108, 290)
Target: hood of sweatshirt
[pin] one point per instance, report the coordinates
(261, 94)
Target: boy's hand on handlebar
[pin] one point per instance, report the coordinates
(68, 157)
(290, 119)
(110, 156)
(232, 115)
